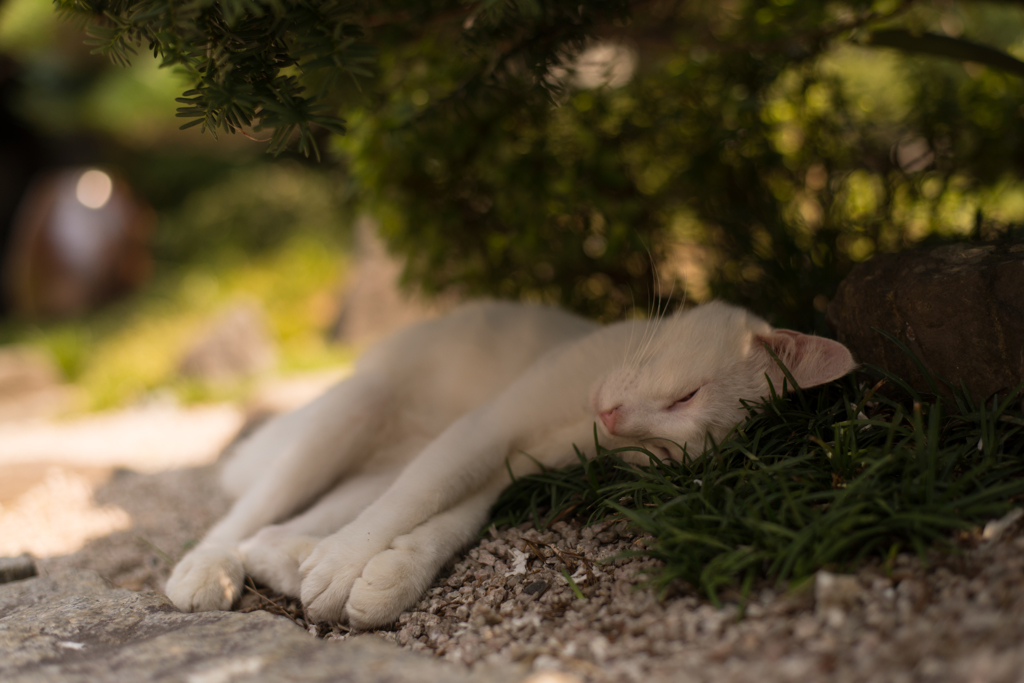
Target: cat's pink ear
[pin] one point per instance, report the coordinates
(811, 360)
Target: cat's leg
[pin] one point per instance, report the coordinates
(464, 460)
(250, 457)
(273, 555)
(338, 431)
(392, 581)
(450, 468)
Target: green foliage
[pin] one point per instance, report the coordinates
(769, 145)
(775, 170)
(241, 54)
(251, 212)
(251, 60)
(816, 479)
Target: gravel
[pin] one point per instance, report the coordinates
(954, 617)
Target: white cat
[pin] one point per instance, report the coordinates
(355, 501)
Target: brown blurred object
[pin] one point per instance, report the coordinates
(79, 239)
(958, 307)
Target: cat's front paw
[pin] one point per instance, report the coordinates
(329, 572)
(390, 583)
(208, 578)
(273, 558)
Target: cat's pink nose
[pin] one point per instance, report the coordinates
(609, 417)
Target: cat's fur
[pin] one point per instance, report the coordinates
(355, 501)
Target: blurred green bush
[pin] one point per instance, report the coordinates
(758, 140)
(759, 149)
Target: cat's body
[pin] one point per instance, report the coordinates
(394, 469)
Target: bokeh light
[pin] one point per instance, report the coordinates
(94, 189)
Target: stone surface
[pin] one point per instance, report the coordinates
(53, 476)
(236, 345)
(17, 568)
(169, 513)
(147, 438)
(959, 307)
(74, 627)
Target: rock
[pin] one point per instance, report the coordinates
(374, 304)
(835, 590)
(74, 627)
(550, 676)
(959, 307)
(236, 345)
(834, 596)
(997, 528)
(17, 568)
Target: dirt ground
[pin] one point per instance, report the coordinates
(959, 617)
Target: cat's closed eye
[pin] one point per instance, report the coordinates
(685, 399)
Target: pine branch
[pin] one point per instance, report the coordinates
(243, 55)
(239, 53)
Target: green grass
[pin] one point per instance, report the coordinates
(822, 478)
(123, 352)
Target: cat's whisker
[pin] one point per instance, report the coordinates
(655, 314)
(659, 311)
(663, 313)
(645, 341)
(649, 334)
(637, 357)
(632, 329)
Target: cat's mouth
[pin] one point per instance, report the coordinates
(661, 452)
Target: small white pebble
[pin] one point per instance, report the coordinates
(519, 559)
(553, 677)
(995, 528)
(547, 668)
(71, 645)
(839, 591)
(580, 575)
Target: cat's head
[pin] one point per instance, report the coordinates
(687, 379)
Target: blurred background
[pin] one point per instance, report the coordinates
(127, 244)
(749, 151)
